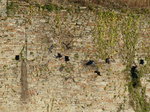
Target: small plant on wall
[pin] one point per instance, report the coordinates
(50, 7)
(12, 8)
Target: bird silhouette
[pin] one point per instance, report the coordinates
(67, 58)
(90, 62)
(97, 72)
(58, 55)
(141, 61)
(107, 60)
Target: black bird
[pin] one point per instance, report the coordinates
(107, 60)
(67, 58)
(17, 57)
(90, 62)
(134, 72)
(58, 55)
(141, 61)
(97, 72)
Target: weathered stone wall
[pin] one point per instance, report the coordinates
(3, 7)
(40, 81)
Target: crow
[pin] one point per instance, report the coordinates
(97, 72)
(90, 62)
(141, 61)
(58, 55)
(67, 58)
(107, 60)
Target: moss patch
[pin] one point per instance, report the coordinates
(12, 8)
(51, 7)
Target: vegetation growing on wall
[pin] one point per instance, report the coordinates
(12, 8)
(15, 7)
(130, 31)
(112, 28)
(51, 7)
(108, 33)
(137, 93)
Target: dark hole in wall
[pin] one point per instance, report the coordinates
(67, 58)
(17, 57)
(141, 62)
(107, 60)
(31, 53)
(90, 62)
(58, 55)
(97, 72)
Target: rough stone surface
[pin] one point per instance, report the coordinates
(54, 85)
(3, 7)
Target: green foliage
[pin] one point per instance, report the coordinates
(12, 8)
(113, 27)
(110, 25)
(51, 7)
(108, 32)
(130, 31)
(137, 99)
(130, 37)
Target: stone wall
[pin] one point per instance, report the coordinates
(3, 7)
(43, 81)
